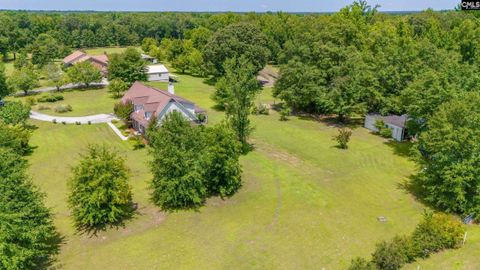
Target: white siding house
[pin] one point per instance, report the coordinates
(394, 122)
(158, 73)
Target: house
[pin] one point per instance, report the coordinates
(149, 58)
(99, 61)
(158, 73)
(151, 102)
(397, 123)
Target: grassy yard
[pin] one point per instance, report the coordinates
(305, 204)
(108, 50)
(84, 102)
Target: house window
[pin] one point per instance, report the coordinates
(148, 115)
(138, 107)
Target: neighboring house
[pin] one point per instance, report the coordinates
(158, 73)
(149, 58)
(397, 123)
(99, 61)
(149, 102)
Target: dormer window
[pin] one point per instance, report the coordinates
(138, 107)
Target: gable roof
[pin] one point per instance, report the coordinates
(153, 100)
(396, 120)
(73, 57)
(156, 69)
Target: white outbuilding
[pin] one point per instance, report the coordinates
(158, 73)
(397, 123)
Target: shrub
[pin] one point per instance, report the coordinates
(201, 117)
(114, 121)
(379, 124)
(123, 111)
(343, 137)
(361, 264)
(437, 232)
(30, 101)
(261, 109)
(393, 255)
(64, 123)
(43, 107)
(63, 108)
(54, 121)
(77, 123)
(385, 132)
(137, 142)
(51, 98)
(285, 113)
(89, 122)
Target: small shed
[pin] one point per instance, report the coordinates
(397, 123)
(149, 58)
(158, 73)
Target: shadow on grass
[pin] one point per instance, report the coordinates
(93, 230)
(403, 149)
(413, 186)
(53, 249)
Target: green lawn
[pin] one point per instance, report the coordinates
(108, 50)
(305, 204)
(84, 102)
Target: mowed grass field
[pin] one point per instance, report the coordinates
(305, 204)
(84, 102)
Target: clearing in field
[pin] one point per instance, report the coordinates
(305, 204)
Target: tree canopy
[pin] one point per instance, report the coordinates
(127, 66)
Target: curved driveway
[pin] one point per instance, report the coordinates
(94, 119)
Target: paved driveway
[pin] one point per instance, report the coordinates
(94, 119)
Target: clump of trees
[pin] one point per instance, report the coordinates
(192, 163)
(100, 194)
(127, 67)
(448, 154)
(84, 73)
(434, 233)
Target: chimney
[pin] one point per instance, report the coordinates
(171, 89)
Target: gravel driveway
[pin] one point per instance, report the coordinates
(94, 119)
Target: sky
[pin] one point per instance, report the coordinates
(222, 5)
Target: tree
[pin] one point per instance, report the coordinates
(128, 67)
(99, 191)
(149, 43)
(116, 87)
(123, 111)
(84, 72)
(222, 170)
(24, 79)
(343, 137)
(55, 75)
(241, 39)
(177, 172)
(240, 87)
(28, 238)
(4, 89)
(449, 156)
(22, 60)
(44, 50)
(15, 137)
(14, 112)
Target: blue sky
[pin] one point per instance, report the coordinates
(221, 5)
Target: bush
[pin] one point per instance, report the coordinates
(30, 101)
(123, 111)
(201, 117)
(54, 121)
(261, 109)
(64, 123)
(89, 122)
(51, 98)
(285, 113)
(77, 123)
(379, 124)
(63, 108)
(137, 142)
(343, 137)
(437, 232)
(393, 255)
(43, 108)
(385, 132)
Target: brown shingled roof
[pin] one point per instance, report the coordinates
(73, 57)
